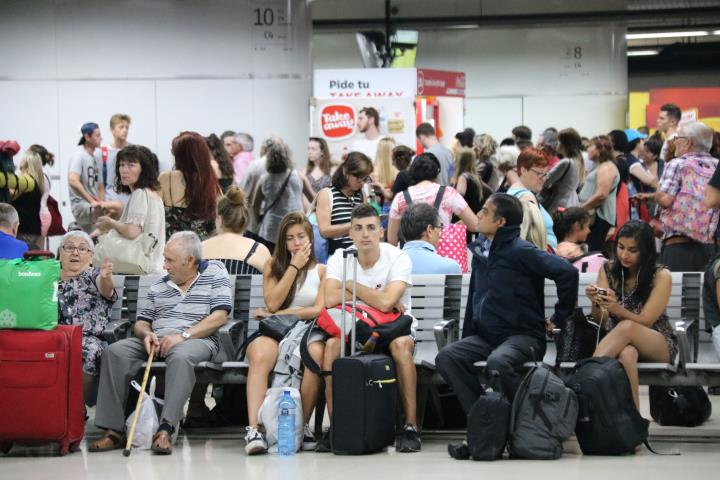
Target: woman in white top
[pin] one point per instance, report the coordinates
(136, 174)
(292, 281)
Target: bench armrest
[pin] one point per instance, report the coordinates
(231, 338)
(683, 331)
(117, 330)
(446, 331)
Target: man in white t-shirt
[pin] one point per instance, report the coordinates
(425, 134)
(105, 156)
(83, 179)
(368, 123)
(384, 278)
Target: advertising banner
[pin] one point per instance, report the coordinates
(336, 121)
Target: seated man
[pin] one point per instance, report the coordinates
(179, 320)
(505, 316)
(383, 282)
(10, 247)
(420, 228)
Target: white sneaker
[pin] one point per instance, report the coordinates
(308, 442)
(255, 442)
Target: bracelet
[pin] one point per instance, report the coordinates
(296, 268)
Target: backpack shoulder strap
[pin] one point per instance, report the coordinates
(408, 199)
(439, 197)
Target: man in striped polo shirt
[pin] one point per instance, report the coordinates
(179, 319)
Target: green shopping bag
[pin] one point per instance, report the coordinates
(28, 293)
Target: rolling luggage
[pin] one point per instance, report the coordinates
(41, 388)
(364, 391)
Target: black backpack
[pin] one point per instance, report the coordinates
(488, 425)
(544, 414)
(680, 406)
(608, 422)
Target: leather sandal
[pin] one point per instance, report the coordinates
(110, 440)
(162, 443)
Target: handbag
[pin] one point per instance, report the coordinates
(576, 339)
(128, 256)
(29, 292)
(56, 223)
(368, 320)
(277, 326)
(680, 406)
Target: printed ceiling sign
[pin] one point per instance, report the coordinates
(364, 83)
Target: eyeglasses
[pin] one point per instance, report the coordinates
(539, 173)
(439, 226)
(72, 248)
(679, 137)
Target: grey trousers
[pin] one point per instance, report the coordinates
(122, 360)
(455, 364)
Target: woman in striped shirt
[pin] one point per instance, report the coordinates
(335, 204)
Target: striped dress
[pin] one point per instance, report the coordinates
(341, 210)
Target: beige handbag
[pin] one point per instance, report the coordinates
(128, 256)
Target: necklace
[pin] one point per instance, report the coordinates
(622, 286)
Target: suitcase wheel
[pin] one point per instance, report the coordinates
(64, 448)
(5, 447)
(75, 446)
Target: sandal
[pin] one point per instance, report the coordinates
(110, 440)
(162, 443)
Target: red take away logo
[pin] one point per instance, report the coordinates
(338, 121)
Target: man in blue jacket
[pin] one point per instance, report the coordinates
(505, 317)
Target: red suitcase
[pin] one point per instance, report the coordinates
(41, 389)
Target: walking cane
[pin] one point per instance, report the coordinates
(128, 446)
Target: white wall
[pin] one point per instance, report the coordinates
(172, 66)
(520, 75)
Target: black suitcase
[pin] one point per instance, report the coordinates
(364, 390)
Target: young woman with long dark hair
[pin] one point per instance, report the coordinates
(190, 192)
(629, 303)
(292, 284)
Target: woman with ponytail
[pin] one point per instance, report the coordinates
(240, 255)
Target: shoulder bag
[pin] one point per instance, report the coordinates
(128, 256)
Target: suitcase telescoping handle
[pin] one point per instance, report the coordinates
(352, 253)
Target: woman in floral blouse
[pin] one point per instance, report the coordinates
(85, 297)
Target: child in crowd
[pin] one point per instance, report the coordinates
(572, 227)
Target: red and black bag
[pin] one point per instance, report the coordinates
(389, 326)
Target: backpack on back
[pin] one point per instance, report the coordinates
(544, 414)
(608, 423)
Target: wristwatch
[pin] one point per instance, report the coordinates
(186, 335)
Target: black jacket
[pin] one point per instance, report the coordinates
(507, 289)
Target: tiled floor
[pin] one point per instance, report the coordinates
(219, 454)
(222, 457)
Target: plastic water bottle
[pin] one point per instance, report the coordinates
(286, 425)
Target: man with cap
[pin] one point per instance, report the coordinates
(83, 179)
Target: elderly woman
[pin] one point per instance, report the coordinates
(85, 297)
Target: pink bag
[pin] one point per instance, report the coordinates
(453, 244)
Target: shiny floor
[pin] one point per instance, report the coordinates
(219, 454)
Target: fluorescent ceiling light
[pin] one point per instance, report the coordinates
(642, 36)
(716, 32)
(642, 53)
